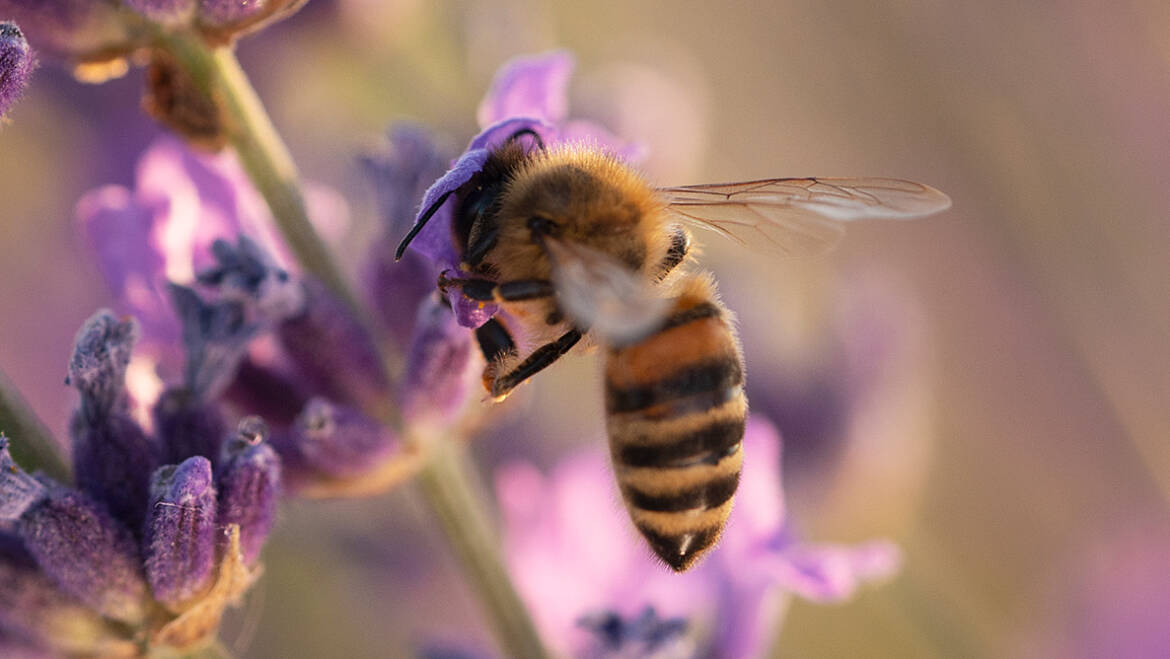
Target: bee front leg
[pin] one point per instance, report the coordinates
(540, 359)
(486, 290)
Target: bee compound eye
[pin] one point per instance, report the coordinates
(542, 226)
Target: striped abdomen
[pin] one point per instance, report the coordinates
(676, 413)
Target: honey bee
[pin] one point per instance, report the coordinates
(573, 244)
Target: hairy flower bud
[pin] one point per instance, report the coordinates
(249, 486)
(440, 365)
(188, 426)
(113, 460)
(101, 353)
(87, 553)
(16, 64)
(333, 351)
(180, 533)
(43, 615)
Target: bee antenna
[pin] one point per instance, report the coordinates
(531, 133)
(422, 222)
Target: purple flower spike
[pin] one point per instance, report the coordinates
(249, 486)
(336, 441)
(187, 426)
(163, 11)
(18, 490)
(180, 534)
(16, 65)
(97, 369)
(333, 351)
(440, 367)
(113, 460)
(88, 553)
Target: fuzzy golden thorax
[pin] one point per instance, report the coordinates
(593, 199)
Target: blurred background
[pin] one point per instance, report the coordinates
(990, 387)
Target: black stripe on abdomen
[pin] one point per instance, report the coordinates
(705, 496)
(716, 376)
(707, 445)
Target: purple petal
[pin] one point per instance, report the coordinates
(180, 534)
(87, 553)
(16, 65)
(249, 480)
(832, 573)
(535, 86)
(397, 287)
(434, 240)
(440, 368)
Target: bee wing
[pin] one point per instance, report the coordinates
(798, 216)
(602, 294)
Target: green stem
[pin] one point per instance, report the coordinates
(32, 443)
(444, 480)
(452, 495)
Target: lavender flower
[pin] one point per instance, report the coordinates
(187, 425)
(16, 65)
(529, 94)
(179, 542)
(552, 522)
(334, 442)
(249, 486)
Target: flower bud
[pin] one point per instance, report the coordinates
(180, 533)
(334, 441)
(42, 615)
(18, 490)
(101, 353)
(244, 272)
(16, 64)
(187, 426)
(113, 460)
(87, 553)
(440, 366)
(249, 486)
(333, 351)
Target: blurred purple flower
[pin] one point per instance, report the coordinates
(528, 97)
(442, 365)
(16, 65)
(85, 29)
(553, 522)
(163, 11)
(330, 441)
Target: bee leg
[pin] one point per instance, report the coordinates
(680, 245)
(485, 290)
(494, 340)
(540, 359)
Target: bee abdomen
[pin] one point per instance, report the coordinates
(676, 421)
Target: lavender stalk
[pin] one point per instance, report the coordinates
(32, 442)
(443, 479)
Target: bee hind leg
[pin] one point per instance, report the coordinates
(540, 359)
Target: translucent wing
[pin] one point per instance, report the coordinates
(798, 216)
(600, 293)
